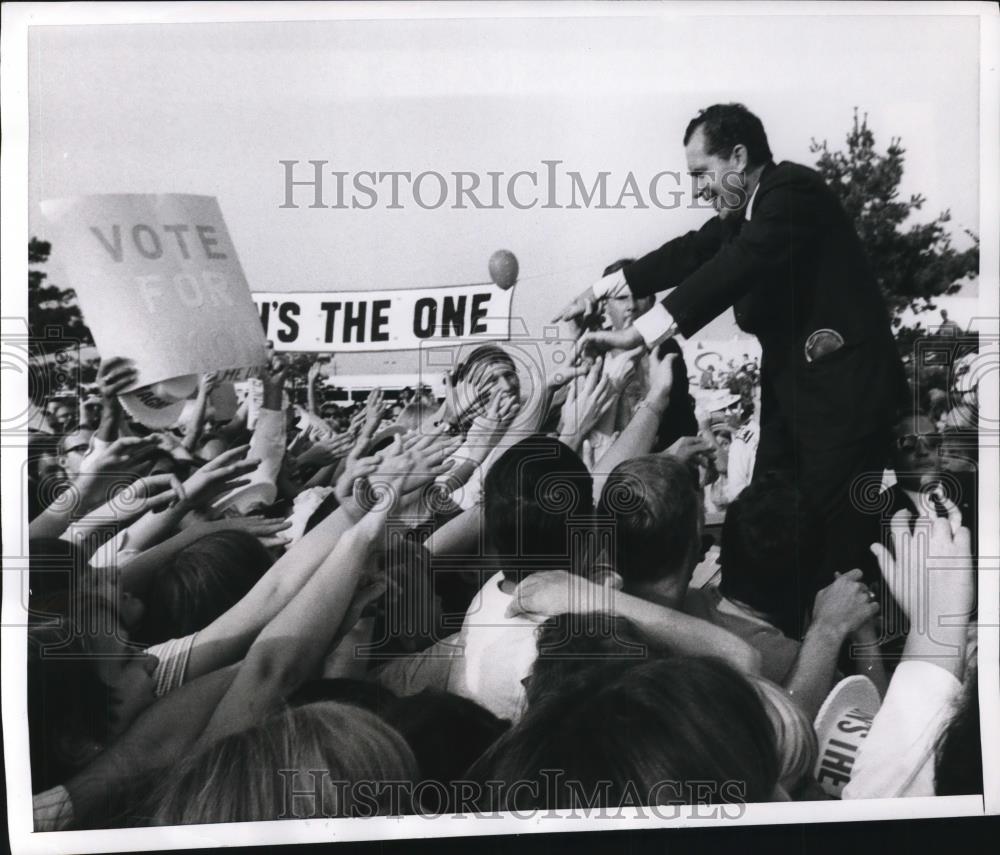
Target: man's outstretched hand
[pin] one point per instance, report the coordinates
(592, 344)
(585, 303)
(577, 309)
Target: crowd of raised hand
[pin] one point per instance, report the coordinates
(277, 614)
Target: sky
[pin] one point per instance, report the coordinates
(213, 108)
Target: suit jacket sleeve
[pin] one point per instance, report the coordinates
(783, 226)
(669, 265)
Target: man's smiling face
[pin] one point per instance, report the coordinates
(719, 180)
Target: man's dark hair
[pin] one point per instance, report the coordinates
(770, 542)
(530, 496)
(728, 125)
(652, 501)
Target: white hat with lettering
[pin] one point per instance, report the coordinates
(842, 724)
(160, 405)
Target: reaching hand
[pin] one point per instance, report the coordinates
(845, 606)
(120, 454)
(354, 426)
(115, 376)
(661, 376)
(929, 573)
(421, 458)
(593, 344)
(379, 494)
(588, 400)
(555, 592)
(560, 375)
(325, 451)
(374, 410)
(620, 367)
(267, 531)
(488, 426)
(356, 469)
(364, 425)
(208, 381)
(690, 448)
(585, 304)
(218, 476)
(578, 309)
(147, 494)
(378, 484)
(274, 377)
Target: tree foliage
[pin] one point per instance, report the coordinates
(49, 306)
(913, 262)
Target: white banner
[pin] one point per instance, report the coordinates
(158, 282)
(358, 321)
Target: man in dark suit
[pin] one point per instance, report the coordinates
(783, 253)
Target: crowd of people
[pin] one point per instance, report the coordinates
(482, 603)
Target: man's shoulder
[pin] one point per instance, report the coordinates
(792, 177)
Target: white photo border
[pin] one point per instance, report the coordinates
(17, 18)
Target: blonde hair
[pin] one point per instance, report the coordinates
(305, 762)
(796, 739)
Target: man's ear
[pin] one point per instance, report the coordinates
(739, 158)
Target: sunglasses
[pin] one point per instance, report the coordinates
(911, 440)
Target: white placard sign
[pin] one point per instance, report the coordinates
(159, 283)
(357, 321)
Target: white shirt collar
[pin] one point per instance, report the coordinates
(750, 203)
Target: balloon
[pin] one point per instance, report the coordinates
(503, 268)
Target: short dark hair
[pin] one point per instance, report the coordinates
(728, 125)
(681, 720)
(770, 540)
(447, 734)
(530, 495)
(652, 501)
(572, 645)
(615, 266)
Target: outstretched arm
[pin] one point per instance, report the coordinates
(162, 733)
(640, 433)
(292, 645)
(557, 592)
(841, 608)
